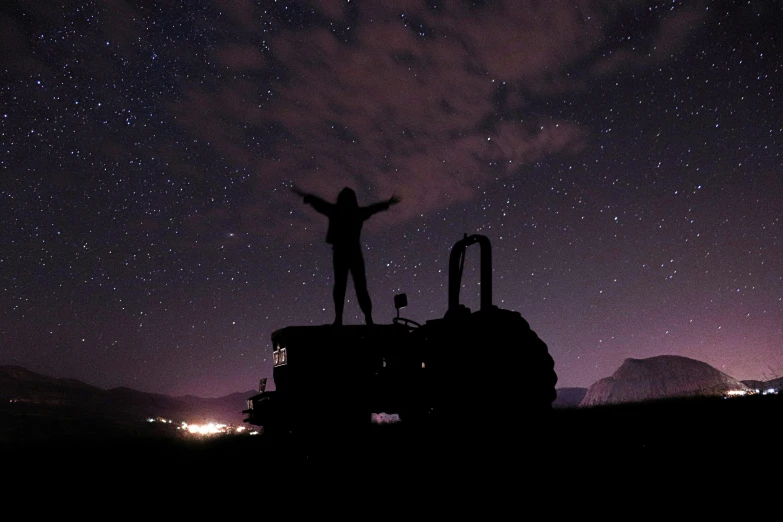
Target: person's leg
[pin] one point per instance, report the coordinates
(341, 265)
(360, 283)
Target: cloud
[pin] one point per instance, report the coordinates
(13, 42)
(667, 37)
(394, 97)
(430, 104)
(240, 56)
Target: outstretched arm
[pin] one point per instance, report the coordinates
(380, 206)
(320, 205)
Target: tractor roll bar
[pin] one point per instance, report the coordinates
(456, 263)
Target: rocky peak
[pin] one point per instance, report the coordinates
(660, 377)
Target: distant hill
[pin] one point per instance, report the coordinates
(665, 376)
(569, 397)
(764, 385)
(74, 405)
(775, 383)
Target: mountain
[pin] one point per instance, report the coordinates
(765, 385)
(775, 383)
(660, 377)
(52, 404)
(199, 409)
(569, 397)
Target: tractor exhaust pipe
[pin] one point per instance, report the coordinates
(456, 264)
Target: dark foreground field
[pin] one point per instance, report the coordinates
(708, 445)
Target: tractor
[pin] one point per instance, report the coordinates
(484, 366)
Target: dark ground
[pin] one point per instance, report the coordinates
(674, 447)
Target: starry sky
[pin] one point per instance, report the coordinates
(623, 156)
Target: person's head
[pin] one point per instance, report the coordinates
(347, 199)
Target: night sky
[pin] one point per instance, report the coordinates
(624, 158)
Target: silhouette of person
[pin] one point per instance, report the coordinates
(346, 218)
